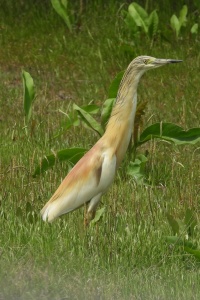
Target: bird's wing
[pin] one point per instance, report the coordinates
(91, 176)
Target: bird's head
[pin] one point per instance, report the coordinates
(137, 68)
(145, 63)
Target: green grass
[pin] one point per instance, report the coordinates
(124, 255)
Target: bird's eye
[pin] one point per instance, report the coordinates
(145, 61)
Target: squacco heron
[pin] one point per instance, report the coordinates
(91, 177)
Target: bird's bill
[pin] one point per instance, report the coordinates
(161, 61)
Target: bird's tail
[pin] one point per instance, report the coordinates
(50, 212)
(47, 212)
(53, 209)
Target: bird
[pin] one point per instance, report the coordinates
(94, 173)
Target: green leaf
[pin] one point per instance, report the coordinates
(61, 9)
(129, 21)
(71, 155)
(174, 224)
(175, 240)
(170, 132)
(153, 24)
(195, 253)
(175, 24)
(112, 93)
(106, 111)
(89, 120)
(91, 108)
(98, 216)
(136, 168)
(28, 94)
(194, 29)
(139, 15)
(182, 16)
(190, 221)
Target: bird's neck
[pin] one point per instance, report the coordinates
(120, 126)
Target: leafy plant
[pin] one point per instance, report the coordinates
(136, 169)
(99, 214)
(178, 22)
(183, 231)
(139, 21)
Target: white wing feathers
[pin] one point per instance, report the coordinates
(87, 181)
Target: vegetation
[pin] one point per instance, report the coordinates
(144, 241)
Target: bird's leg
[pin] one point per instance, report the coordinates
(91, 211)
(89, 216)
(85, 215)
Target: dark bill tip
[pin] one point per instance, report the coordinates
(174, 61)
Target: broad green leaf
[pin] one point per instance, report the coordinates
(61, 10)
(28, 94)
(170, 132)
(194, 29)
(195, 253)
(174, 224)
(175, 24)
(89, 120)
(153, 24)
(131, 23)
(113, 89)
(139, 15)
(182, 16)
(136, 168)
(71, 155)
(98, 216)
(106, 111)
(190, 221)
(175, 240)
(91, 108)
